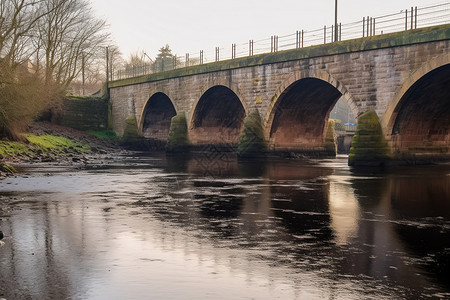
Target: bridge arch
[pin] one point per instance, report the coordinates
(156, 116)
(217, 117)
(418, 118)
(299, 110)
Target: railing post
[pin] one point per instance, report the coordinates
(415, 19)
(325, 34)
(233, 51)
(406, 19)
(187, 60)
(201, 57)
(373, 27)
(296, 40)
(217, 53)
(332, 34)
(412, 17)
(340, 31)
(303, 37)
(274, 43)
(368, 25)
(250, 48)
(364, 25)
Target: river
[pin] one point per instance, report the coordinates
(208, 227)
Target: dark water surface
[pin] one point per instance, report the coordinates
(210, 228)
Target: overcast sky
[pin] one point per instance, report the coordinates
(192, 25)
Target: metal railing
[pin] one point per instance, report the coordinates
(404, 20)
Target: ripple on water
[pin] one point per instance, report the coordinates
(130, 231)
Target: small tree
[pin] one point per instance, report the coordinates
(69, 37)
(165, 60)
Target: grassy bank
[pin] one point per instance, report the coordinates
(39, 148)
(35, 145)
(48, 142)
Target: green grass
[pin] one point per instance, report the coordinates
(105, 134)
(8, 148)
(55, 144)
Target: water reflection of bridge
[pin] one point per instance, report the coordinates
(286, 221)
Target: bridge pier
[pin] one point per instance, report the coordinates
(251, 142)
(403, 77)
(178, 141)
(369, 146)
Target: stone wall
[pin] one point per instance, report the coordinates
(85, 113)
(369, 73)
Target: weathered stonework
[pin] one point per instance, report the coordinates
(369, 73)
(85, 113)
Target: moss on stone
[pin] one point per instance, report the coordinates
(108, 134)
(84, 113)
(178, 134)
(55, 144)
(9, 148)
(251, 142)
(36, 146)
(369, 147)
(131, 133)
(421, 35)
(7, 169)
(330, 139)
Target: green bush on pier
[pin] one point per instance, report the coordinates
(130, 132)
(251, 143)
(330, 139)
(369, 147)
(178, 134)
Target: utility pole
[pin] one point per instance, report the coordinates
(107, 66)
(336, 30)
(82, 70)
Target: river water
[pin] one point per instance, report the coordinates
(208, 227)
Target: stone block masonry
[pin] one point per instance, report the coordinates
(85, 113)
(295, 90)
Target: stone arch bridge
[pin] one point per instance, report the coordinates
(404, 77)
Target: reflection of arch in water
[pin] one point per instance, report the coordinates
(301, 203)
(213, 164)
(412, 198)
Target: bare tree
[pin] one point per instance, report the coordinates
(136, 64)
(44, 45)
(17, 22)
(21, 96)
(68, 34)
(116, 61)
